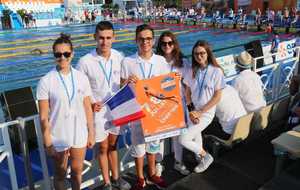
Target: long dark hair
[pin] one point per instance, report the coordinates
(210, 56)
(176, 53)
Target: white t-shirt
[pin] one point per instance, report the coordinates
(90, 65)
(99, 71)
(186, 65)
(144, 69)
(249, 86)
(229, 109)
(213, 81)
(68, 124)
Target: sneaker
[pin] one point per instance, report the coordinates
(181, 168)
(140, 184)
(205, 162)
(107, 187)
(159, 169)
(157, 181)
(120, 183)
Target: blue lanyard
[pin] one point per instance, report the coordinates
(143, 71)
(104, 72)
(198, 78)
(65, 86)
(172, 68)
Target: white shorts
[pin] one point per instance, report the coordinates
(81, 142)
(139, 147)
(63, 148)
(71, 137)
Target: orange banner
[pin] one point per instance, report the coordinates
(161, 102)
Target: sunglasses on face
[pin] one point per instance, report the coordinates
(169, 43)
(201, 53)
(65, 54)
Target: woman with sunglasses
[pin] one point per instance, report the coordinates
(168, 47)
(204, 87)
(65, 114)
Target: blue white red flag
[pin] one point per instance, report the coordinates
(124, 107)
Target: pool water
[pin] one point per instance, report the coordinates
(19, 67)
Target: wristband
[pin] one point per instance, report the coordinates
(191, 107)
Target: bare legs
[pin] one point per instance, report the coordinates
(77, 156)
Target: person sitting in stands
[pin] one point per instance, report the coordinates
(269, 27)
(228, 111)
(230, 14)
(294, 115)
(216, 18)
(275, 45)
(248, 84)
(297, 44)
(258, 19)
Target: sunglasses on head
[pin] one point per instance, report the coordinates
(169, 43)
(65, 54)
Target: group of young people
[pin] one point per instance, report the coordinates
(74, 118)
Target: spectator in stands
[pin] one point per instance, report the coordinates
(258, 19)
(293, 14)
(275, 45)
(248, 84)
(230, 14)
(102, 66)
(294, 85)
(94, 15)
(228, 111)
(205, 82)
(26, 19)
(286, 20)
(297, 44)
(269, 27)
(168, 47)
(294, 115)
(216, 18)
(66, 116)
(32, 18)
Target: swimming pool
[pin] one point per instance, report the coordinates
(19, 67)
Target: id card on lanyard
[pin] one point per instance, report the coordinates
(143, 69)
(107, 66)
(71, 94)
(201, 83)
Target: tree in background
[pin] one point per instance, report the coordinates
(22, 13)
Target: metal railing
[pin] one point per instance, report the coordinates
(6, 152)
(6, 149)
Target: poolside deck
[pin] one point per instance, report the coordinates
(249, 166)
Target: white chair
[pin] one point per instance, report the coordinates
(240, 133)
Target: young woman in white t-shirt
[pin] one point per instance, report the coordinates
(204, 87)
(168, 47)
(66, 114)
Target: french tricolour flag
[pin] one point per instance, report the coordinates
(124, 107)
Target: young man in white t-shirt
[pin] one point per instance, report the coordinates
(143, 65)
(102, 66)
